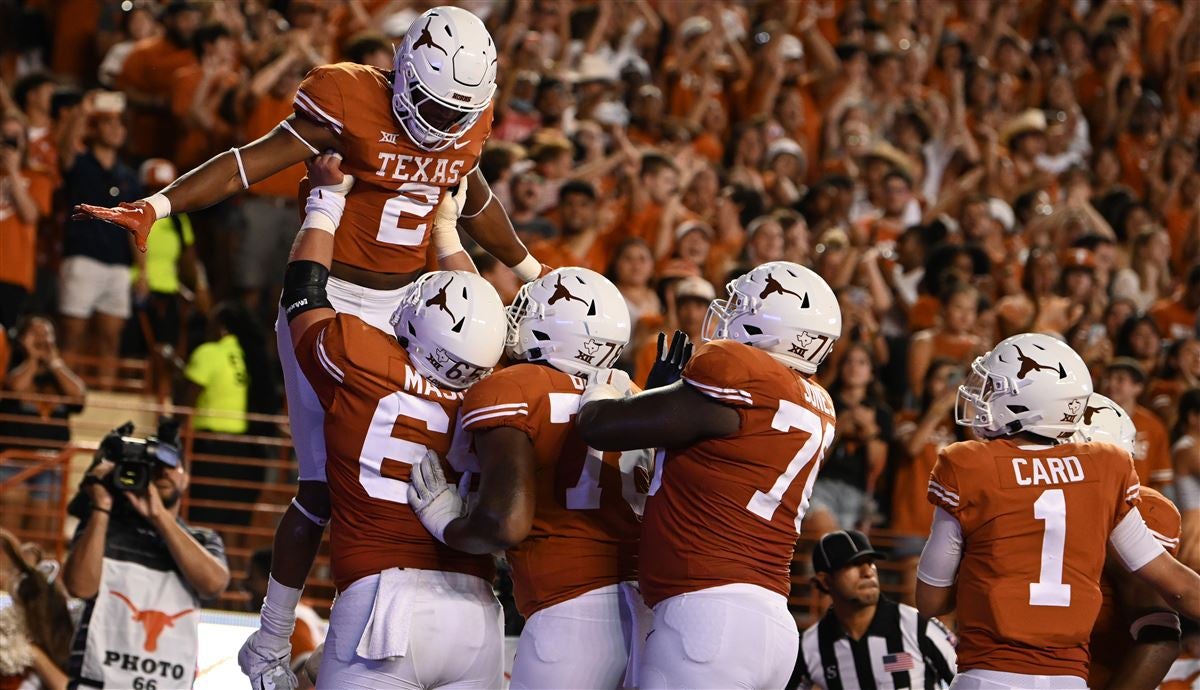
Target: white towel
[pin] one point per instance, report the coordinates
(386, 634)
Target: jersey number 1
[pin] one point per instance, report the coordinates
(1049, 590)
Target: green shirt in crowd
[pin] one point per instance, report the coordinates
(163, 249)
(219, 368)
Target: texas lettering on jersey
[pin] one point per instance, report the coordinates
(380, 417)
(1035, 521)
(587, 503)
(385, 227)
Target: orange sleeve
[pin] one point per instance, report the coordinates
(645, 361)
(321, 354)
(943, 490)
(1162, 518)
(41, 188)
(183, 91)
(720, 374)
(319, 98)
(131, 75)
(500, 400)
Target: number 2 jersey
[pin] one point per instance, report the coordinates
(585, 525)
(380, 416)
(390, 209)
(728, 510)
(1035, 528)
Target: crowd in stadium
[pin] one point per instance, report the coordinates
(957, 171)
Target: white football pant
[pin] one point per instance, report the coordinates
(448, 628)
(732, 636)
(305, 415)
(585, 643)
(979, 679)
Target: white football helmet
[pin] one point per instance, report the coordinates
(782, 308)
(573, 319)
(452, 324)
(1029, 382)
(445, 76)
(1106, 421)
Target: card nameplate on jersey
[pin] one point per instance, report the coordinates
(1021, 472)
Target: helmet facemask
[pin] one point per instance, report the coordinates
(431, 122)
(538, 346)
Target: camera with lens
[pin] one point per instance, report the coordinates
(134, 459)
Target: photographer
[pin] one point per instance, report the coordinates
(143, 571)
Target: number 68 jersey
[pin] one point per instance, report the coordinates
(389, 212)
(587, 503)
(1035, 525)
(380, 416)
(728, 510)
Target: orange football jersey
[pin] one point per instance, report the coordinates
(1110, 635)
(1035, 527)
(389, 212)
(586, 517)
(728, 510)
(380, 416)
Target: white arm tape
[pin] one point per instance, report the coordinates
(278, 615)
(445, 222)
(529, 269)
(943, 551)
(318, 521)
(323, 210)
(1134, 543)
(1162, 619)
(1187, 491)
(288, 126)
(161, 205)
(237, 156)
(491, 195)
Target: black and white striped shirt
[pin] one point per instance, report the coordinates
(901, 649)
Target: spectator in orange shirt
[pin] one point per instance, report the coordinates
(582, 242)
(657, 183)
(24, 198)
(1124, 381)
(32, 95)
(1180, 373)
(632, 271)
(148, 76)
(1176, 317)
(270, 208)
(526, 192)
(198, 92)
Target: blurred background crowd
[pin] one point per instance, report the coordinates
(958, 171)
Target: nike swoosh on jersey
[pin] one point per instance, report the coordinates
(460, 143)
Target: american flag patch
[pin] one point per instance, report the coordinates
(898, 662)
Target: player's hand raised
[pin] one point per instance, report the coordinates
(668, 366)
(137, 218)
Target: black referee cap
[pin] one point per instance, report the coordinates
(837, 550)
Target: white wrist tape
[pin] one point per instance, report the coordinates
(529, 269)
(161, 205)
(1162, 619)
(445, 222)
(323, 210)
(278, 615)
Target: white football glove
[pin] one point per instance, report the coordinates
(266, 659)
(445, 222)
(431, 498)
(606, 384)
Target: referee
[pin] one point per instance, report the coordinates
(865, 640)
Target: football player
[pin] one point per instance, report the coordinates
(1021, 521)
(744, 434)
(410, 613)
(1130, 608)
(567, 514)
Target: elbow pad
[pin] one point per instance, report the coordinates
(1160, 626)
(304, 288)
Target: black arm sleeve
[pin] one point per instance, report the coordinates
(304, 288)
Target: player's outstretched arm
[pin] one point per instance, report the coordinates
(1154, 631)
(486, 221)
(218, 178)
(674, 416)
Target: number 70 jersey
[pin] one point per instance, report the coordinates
(728, 510)
(1035, 523)
(389, 212)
